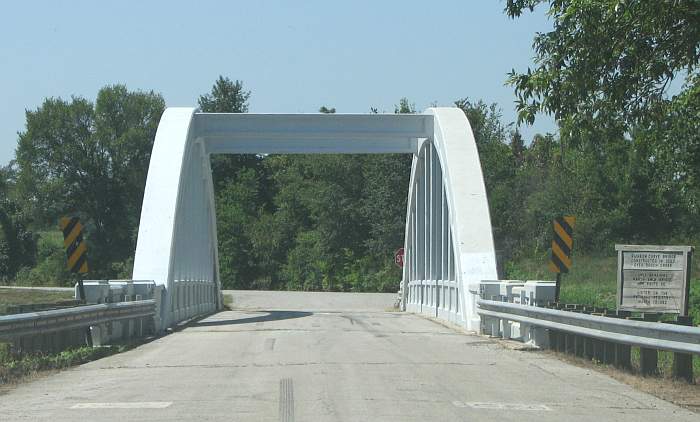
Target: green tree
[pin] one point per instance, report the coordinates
(90, 160)
(607, 60)
(605, 72)
(226, 96)
(404, 107)
(17, 243)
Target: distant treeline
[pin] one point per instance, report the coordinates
(314, 222)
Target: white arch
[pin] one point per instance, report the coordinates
(177, 245)
(449, 241)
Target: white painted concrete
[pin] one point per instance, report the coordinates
(448, 230)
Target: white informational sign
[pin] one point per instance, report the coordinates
(653, 278)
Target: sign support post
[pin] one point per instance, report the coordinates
(557, 288)
(76, 253)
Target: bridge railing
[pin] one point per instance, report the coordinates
(605, 338)
(55, 330)
(192, 298)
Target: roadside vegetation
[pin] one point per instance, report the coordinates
(15, 368)
(9, 297)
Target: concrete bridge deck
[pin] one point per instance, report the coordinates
(328, 357)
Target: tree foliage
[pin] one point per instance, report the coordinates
(606, 72)
(17, 243)
(90, 160)
(332, 222)
(607, 62)
(226, 96)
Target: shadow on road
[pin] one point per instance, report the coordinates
(271, 316)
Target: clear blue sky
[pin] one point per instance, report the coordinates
(293, 56)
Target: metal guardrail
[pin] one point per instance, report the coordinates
(37, 323)
(655, 335)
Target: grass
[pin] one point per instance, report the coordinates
(14, 368)
(9, 297)
(228, 302)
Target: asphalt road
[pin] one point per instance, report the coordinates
(288, 357)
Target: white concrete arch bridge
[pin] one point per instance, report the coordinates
(448, 238)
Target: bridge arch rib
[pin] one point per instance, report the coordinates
(448, 240)
(448, 231)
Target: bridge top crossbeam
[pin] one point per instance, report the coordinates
(226, 133)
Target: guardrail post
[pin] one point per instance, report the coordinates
(608, 353)
(683, 362)
(553, 340)
(588, 348)
(623, 356)
(683, 367)
(578, 346)
(570, 343)
(126, 324)
(139, 321)
(506, 329)
(561, 342)
(648, 361)
(649, 358)
(495, 329)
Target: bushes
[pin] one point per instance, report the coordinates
(50, 269)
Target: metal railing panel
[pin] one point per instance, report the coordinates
(37, 323)
(671, 337)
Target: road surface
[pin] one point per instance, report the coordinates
(294, 357)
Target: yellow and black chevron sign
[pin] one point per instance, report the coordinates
(76, 251)
(562, 244)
